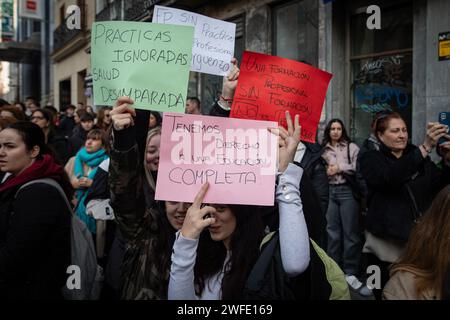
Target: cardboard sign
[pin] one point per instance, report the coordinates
(268, 86)
(237, 157)
(145, 61)
(213, 46)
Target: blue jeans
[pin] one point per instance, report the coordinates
(344, 241)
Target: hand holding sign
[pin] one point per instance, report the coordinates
(196, 217)
(288, 141)
(230, 81)
(269, 85)
(122, 114)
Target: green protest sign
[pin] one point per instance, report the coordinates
(147, 62)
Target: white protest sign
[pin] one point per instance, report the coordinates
(213, 46)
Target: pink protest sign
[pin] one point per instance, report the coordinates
(269, 85)
(237, 157)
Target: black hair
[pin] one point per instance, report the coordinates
(158, 117)
(32, 135)
(244, 247)
(22, 105)
(197, 101)
(4, 103)
(46, 113)
(326, 134)
(86, 117)
(52, 109)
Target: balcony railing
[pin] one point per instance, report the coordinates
(62, 35)
(111, 12)
(137, 8)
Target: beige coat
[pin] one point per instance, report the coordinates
(402, 286)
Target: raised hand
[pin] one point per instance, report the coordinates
(196, 217)
(435, 131)
(288, 141)
(122, 114)
(230, 81)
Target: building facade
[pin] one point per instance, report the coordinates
(394, 68)
(24, 50)
(70, 56)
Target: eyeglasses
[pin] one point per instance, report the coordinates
(37, 118)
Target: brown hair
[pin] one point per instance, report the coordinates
(16, 112)
(382, 122)
(101, 116)
(6, 121)
(427, 253)
(99, 134)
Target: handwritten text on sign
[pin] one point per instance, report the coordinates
(213, 45)
(269, 85)
(145, 61)
(239, 164)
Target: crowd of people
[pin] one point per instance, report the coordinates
(339, 208)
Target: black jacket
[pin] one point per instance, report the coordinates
(76, 141)
(34, 243)
(58, 144)
(394, 185)
(66, 126)
(315, 168)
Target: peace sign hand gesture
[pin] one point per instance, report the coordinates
(288, 141)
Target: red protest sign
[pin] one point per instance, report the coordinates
(269, 85)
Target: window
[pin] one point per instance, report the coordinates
(64, 93)
(295, 31)
(381, 68)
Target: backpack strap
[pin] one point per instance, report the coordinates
(50, 182)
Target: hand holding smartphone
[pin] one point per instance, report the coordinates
(444, 118)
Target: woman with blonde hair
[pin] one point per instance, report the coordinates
(421, 271)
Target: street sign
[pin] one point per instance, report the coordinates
(444, 46)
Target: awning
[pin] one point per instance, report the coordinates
(28, 51)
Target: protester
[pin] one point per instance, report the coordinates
(218, 244)
(402, 182)
(155, 120)
(421, 270)
(21, 106)
(11, 111)
(85, 166)
(104, 118)
(148, 227)
(67, 122)
(5, 121)
(314, 182)
(56, 142)
(344, 242)
(78, 138)
(193, 106)
(35, 220)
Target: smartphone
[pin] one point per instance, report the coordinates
(444, 118)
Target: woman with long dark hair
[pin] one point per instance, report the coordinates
(344, 242)
(402, 182)
(34, 219)
(420, 272)
(104, 118)
(218, 245)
